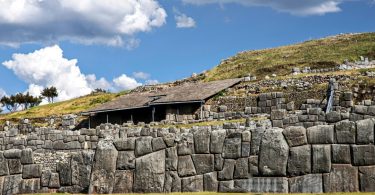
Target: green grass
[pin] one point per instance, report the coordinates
(73, 106)
(321, 53)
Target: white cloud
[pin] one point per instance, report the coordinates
(296, 7)
(102, 83)
(182, 20)
(47, 67)
(141, 75)
(152, 82)
(124, 82)
(110, 22)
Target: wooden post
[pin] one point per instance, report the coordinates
(153, 114)
(201, 110)
(89, 121)
(107, 119)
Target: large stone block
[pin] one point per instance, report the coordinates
(27, 156)
(125, 160)
(345, 132)
(143, 146)
(367, 178)
(299, 162)
(365, 131)
(342, 178)
(256, 138)
(103, 171)
(12, 184)
(13, 154)
(65, 173)
(295, 136)
(3, 165)
(31, 171)
(363, 155)
(219, 162)
(54, 181)
(172, 182)
(123, 182)
(185, 144)
(192, 184)
(253, 166)
(228, 169)
(321, 134)
(171, 159)
(81, 167)
(125, 144)
(245, 151)
(210, 183)
(312, 183)
(262, 185)
(241, 170)
(202, 141)
(232, 146)
(204, 163)
(341, 154)
(15, 166)
(321, 158)
(186, 166)
(158, 144)
(150, 173)
(217, 141)
(278, 114)
(273, 156)
(30, 186)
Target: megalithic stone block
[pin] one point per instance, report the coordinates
(367, 178)
(150, 173)
(312, 183)
(342, 178)
(365, 131)
(274, 151)
(103, 172)
(262, 185)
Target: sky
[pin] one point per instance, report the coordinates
(78, 46)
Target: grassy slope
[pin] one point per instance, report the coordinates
(319, 53)
(66, 107)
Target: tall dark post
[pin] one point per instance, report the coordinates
(330, 95)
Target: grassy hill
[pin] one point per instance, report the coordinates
(321, 53)
(72, 106)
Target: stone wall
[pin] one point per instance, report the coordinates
(234, 157)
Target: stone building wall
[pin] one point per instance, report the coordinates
(251, 157)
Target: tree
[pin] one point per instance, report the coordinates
(25, 101)
(50, 93)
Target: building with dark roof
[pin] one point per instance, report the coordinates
(173, 104)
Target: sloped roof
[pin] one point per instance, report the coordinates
(192, 92)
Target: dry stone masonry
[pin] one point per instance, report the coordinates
(252, 157)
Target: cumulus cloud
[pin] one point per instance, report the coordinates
(124, 82)
(48, 67)
(110, 22)
(102, 83)
(141, 75)
(152, 82)
(182, 20)
(296, 7)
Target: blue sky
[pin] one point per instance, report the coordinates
(207, 32)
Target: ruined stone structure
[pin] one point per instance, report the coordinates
(234, 157)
